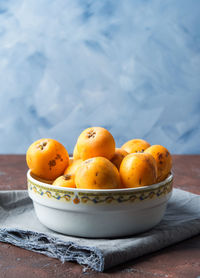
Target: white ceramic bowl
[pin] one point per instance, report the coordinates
(99, 213)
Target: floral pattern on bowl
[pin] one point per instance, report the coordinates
(100, 197)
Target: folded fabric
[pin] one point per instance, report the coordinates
(20, 226)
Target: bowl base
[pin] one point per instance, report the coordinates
(93, 225)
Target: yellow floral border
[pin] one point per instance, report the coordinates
(100, 197)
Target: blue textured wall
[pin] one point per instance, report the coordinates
(130, 66)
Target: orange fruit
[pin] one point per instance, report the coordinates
(118, 157)
(47, 158)
(73, 166)
(135, 146)
(65, 181)
(163, 160)
(75, 153)
(97, 173)
(138, 169)
(94, 142)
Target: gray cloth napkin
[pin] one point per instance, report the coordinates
(20, 226)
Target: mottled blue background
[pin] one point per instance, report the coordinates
(130, 66)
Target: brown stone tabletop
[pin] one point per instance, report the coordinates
(180, 260)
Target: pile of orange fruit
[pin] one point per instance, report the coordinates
(97, 163)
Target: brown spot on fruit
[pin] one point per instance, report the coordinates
(67, 177)
(160, 156)
(52, 163)
(65, 180)
(91, 134)
(140, 181)
(58, 156)
(41, 145)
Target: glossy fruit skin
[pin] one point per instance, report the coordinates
(65, 181)
(138, 169)
(47, 158)
(95, 142)
(75, 153)
(73, 166)
(118, 157)
(163, 160)
(135, 146)
(97, 173)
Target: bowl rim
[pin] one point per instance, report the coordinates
(120, 190)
